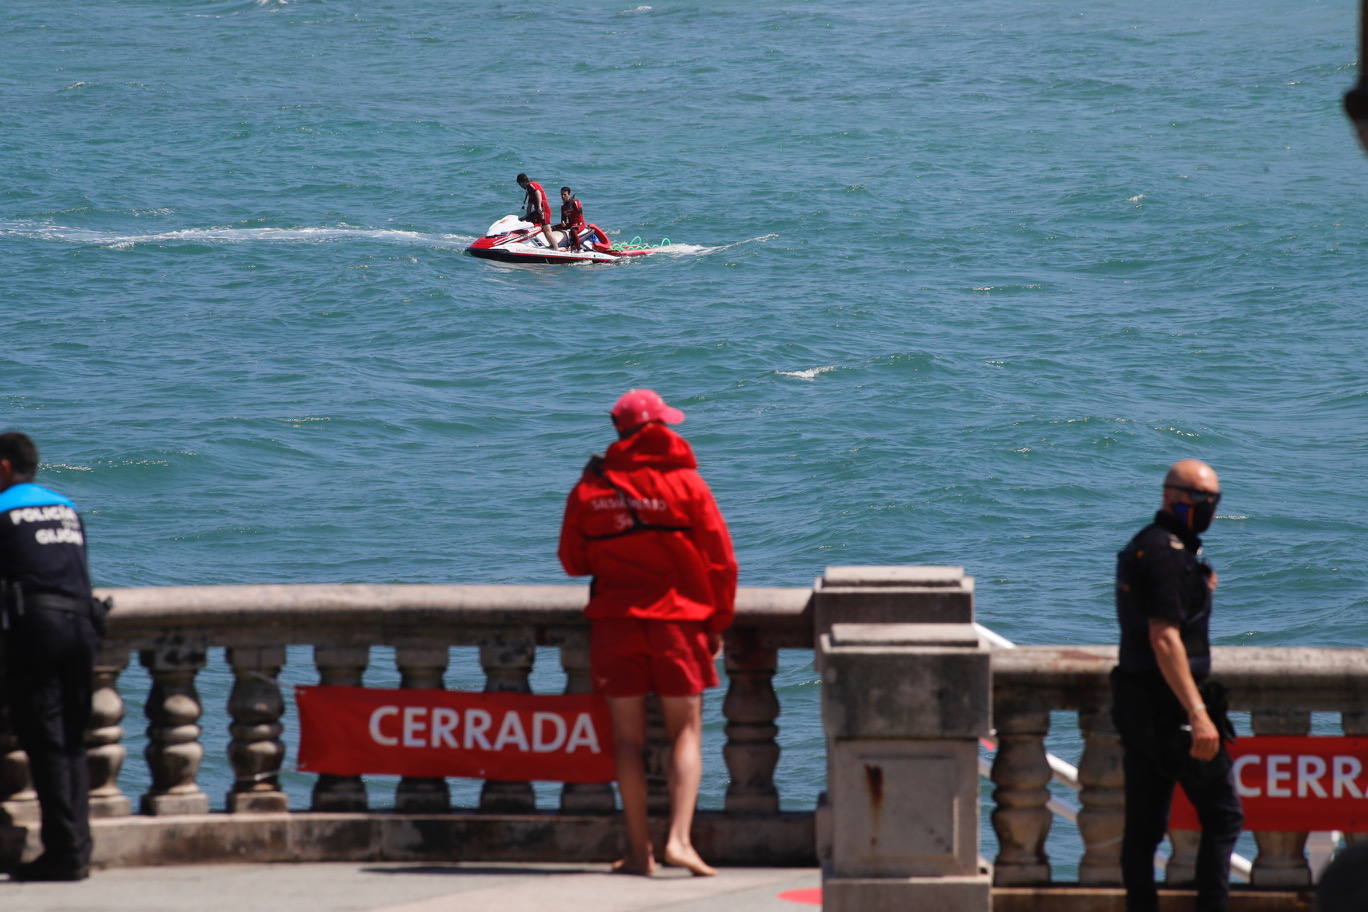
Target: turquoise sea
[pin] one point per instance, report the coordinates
(948, 283)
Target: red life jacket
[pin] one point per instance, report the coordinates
(644, 524)
(536, 198)
(572, 214)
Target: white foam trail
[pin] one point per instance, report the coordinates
(699, 250)
(115, 241)
(810, 374)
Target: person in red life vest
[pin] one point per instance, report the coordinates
(572, 218)
(643, 523)
(536, 208)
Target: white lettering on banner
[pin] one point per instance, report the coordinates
(414, 726)
(540, 720)
(511, 732)
(439, 726)
(1277, 774)
(1310, 769)
(477, 723)
(1237, 771)
(1347, 769)
(444, 721)
(1309, 775)
(375, 733)
(583, 735)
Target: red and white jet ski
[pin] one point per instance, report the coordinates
(512, 240)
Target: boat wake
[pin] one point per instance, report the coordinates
(115, 240)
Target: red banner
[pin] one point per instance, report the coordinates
(351, 731)
(1297, 784)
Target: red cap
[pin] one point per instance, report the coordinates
(638, 406)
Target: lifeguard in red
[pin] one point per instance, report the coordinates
(643, 523)
(536, 207)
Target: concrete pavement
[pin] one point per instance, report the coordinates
(382, 887)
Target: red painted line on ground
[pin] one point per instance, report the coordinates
(809, 897)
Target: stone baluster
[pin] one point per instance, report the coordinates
(18, 800)
(256, 751)
(1102, 817)
(751, 706)
(582, 797)
(173, 710)
(1021, 817)
(340, 666)
(1281, 861)
(105, 752)
(422, 668)
(507, 663)
(1355, 725)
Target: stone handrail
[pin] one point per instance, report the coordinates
(172, 629)
(1278, 686)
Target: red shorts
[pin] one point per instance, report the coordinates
(538, 219)
(631, 657)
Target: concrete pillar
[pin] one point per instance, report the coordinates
(105, 752)
(904, 706)
(256, 751)
(884, 595)
(1102, 815)
(751, 707)
(173, 711)
(1021, 814)
(507, 661)
(340, 666)
(421, 668)
(582, 797)
(1281, 861)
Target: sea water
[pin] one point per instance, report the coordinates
(948, 283)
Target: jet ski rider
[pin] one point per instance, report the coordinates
(536, 208)
(572, 218)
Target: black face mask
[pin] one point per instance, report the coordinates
(1196, 517)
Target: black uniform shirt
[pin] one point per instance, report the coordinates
(42, 542)
(1160, 574)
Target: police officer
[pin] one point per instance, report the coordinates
(1171, 717)
(51, 628)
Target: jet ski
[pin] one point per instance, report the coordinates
(512, 240)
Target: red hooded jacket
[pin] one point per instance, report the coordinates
(644, 524)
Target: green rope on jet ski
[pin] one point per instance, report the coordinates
(636, 243)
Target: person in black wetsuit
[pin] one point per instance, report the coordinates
(51, 628)
(1171, 717)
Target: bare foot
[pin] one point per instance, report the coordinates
(686, 857)
(631, 866)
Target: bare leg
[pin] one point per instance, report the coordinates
(550, 238)
(684, 722)
(629, 740)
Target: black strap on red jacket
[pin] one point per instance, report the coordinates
(596, 466)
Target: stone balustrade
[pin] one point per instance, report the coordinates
(1278, 686)
(177, 632)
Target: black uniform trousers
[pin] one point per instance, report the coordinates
(49, 660)
(1156, 759)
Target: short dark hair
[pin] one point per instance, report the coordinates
(21, 453)
(567, 190)
(522, 178)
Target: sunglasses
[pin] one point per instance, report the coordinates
(1197, 495)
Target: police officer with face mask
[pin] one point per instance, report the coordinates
(51, 627)
(1170, 715)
